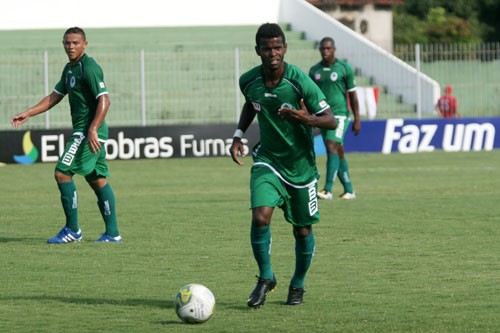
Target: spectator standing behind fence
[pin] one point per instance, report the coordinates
(447, 106)
(336, 79)
(83, 81)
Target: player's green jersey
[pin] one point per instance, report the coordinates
(285, 147)
(83, 82)
(335, 81)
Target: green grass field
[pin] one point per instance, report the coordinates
(417, 251)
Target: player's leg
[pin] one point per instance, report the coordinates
(265, 196)
(260, 237)
(304, 250)
(69, 198)
(345, 177)
(302, 211)
(332, 166)
(96, 171)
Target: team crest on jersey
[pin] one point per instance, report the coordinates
(72, 82)
(317, 76)
(256, 106)
(286, 106)
(334, 76)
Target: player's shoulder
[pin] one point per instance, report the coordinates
(89, 63)
(343, 63)
(317, 66)
(250, 76)
(294, 73)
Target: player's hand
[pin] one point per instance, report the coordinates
(356, 127)
(19, 119)
(300, 115)
(237, 147)
(93, 140)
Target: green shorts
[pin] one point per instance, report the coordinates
(338, 133)
(299, 204)
(79, 159)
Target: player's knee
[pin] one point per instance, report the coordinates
(61, 177)
(261, 217)
(301, 232)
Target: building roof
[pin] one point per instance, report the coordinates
(319, 3)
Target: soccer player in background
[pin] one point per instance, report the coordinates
(288, 105)
(336, 79)
(82, 80)
(447, 106)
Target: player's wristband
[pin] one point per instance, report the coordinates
(238, 133)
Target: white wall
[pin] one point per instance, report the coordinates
(61, 14)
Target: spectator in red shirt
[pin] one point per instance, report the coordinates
(447, 106)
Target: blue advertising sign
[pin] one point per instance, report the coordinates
(415, 136)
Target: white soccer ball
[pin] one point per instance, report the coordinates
(194, 303)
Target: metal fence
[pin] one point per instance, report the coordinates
(187, 85)
(473, 71)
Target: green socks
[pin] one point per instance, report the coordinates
(332, 167)
(69, 200)
(344, 177)
(260, 238)
(304, 252)
(106, 203)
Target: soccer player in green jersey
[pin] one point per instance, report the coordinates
(288, 105)
(83, 81)
(336, 79)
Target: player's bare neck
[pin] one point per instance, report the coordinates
(329, 61)
(273, 78)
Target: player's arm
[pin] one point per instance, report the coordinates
(44, 105)
(353, 99)
(323, 119)
(103, 104)
(246, 118)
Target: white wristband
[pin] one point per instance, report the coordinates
(238, 133)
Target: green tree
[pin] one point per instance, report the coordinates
(447, 21)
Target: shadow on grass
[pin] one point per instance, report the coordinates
(94, 301)
(22, 239)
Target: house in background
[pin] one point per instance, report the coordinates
(370, 18)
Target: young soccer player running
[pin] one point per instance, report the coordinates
(82, 80)
(336, 79)
(288, 105)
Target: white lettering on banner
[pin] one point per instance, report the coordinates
(207, 147)
(49, 153)
(466, 137)
(417, 138)
(127, 148)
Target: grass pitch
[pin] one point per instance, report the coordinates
(417, 251)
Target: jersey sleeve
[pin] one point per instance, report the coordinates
(60, 87)
(95, 80)
(314, 98)
(350, 81)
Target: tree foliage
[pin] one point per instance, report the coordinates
(447, 21)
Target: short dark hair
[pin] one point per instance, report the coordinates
(327, 39)
(269, 30)
(75, 30)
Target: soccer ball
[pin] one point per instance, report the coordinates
(194, 303)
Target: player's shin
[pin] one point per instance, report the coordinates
(69, 201)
